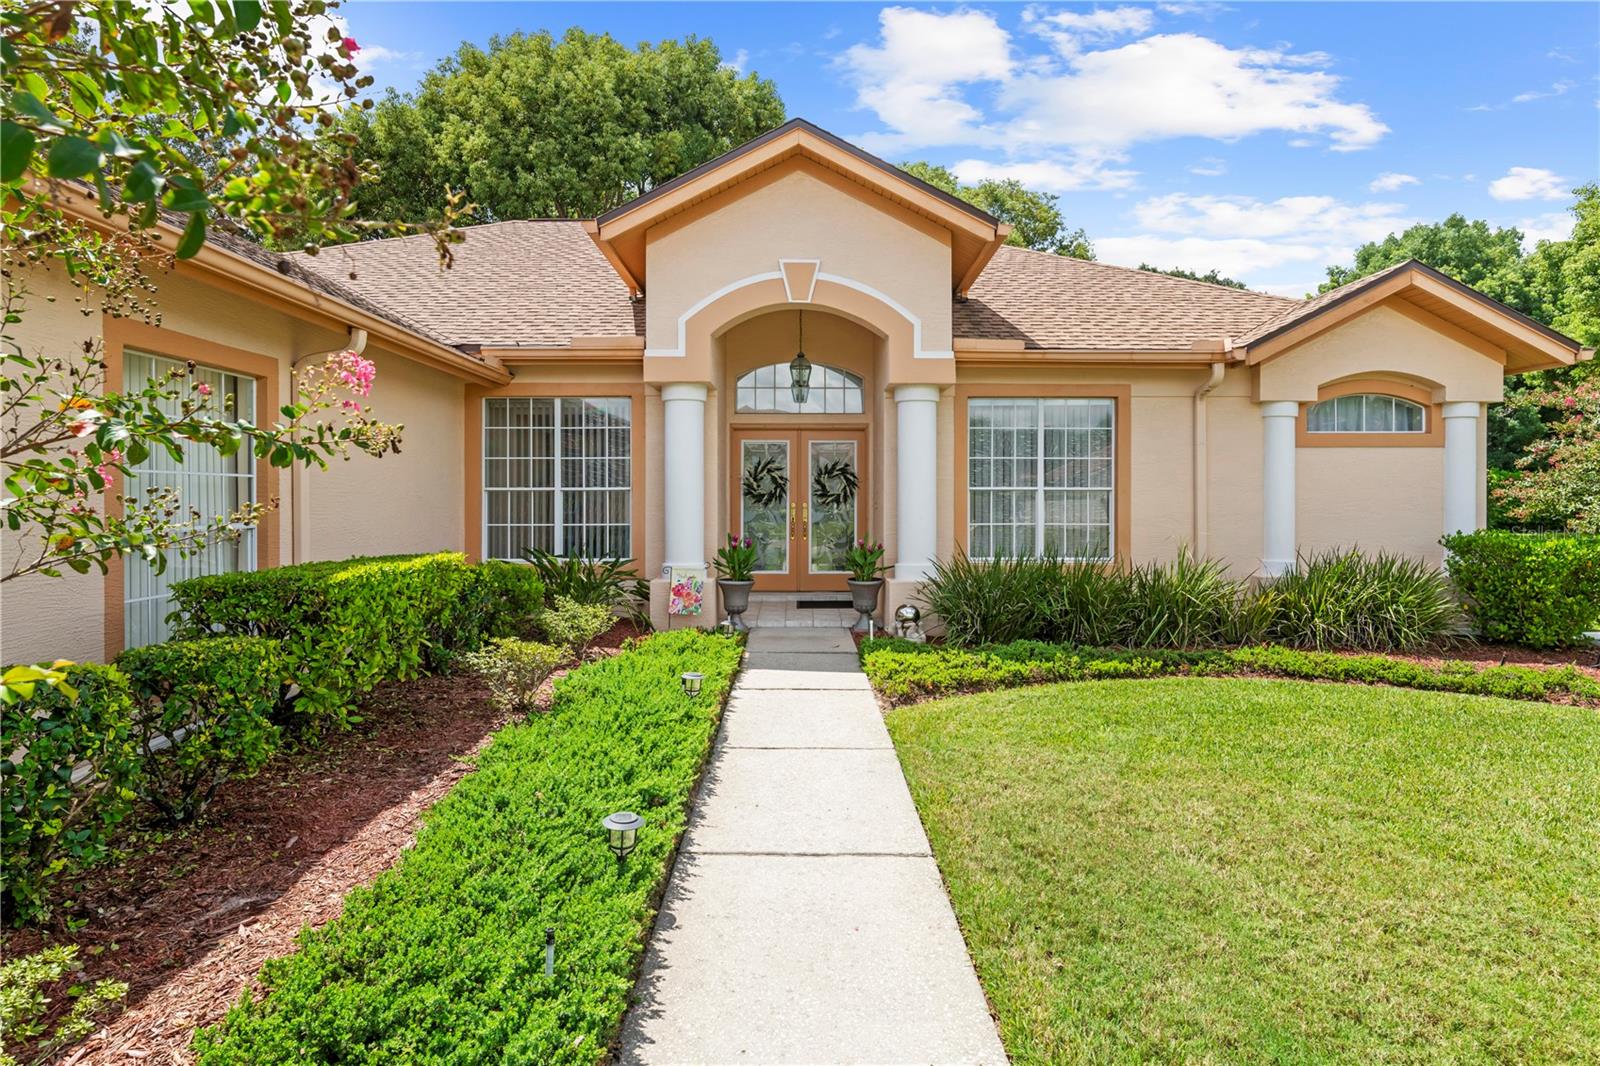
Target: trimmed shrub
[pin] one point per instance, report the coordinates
(610, 582)
(1539, 589)
(24, 1004)
(441, 959)
(49, 824)
(344, 626)
(1344, 599)
(203, 715)
(499, 599)
(904, 672)
(574, 625)
(515, 669)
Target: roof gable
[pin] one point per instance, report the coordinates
(620, 233)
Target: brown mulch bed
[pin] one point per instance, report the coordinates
(187, 920)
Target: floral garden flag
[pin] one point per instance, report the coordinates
(688, 590)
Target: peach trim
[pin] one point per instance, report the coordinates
(121, 334)
(1432, 435)
(473, 479)
(1121, 449)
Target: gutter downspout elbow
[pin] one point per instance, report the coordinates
(1202, 460)
(299, 480)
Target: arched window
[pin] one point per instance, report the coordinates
(1366, 413)
(765, 390)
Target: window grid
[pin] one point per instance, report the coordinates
(205, 480)
(765, 390)
(1366, 413)
(1054, 499)
(557, 476)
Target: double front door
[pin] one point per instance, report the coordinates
(799, 494)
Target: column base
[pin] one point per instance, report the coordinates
(1277, 567)
(896, 591)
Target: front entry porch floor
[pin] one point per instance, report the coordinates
(781, 610)
(805, 920)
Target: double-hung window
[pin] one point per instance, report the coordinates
(204, 479)
(558, 476)
(1040, 477)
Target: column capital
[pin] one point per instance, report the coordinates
(1460, 409)
(1280, 409)
(685, 390)
(916, 394)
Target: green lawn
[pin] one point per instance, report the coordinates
(1233, 870)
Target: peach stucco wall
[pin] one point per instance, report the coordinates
(406, 502)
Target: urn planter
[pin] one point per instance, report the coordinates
(864, 598)
(735, 601)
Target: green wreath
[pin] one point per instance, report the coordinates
(823, 491)
(766, 483)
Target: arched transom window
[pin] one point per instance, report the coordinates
(765, 390)
(1366, 413)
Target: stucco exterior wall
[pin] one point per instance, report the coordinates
(802, 213)
(1371, 498)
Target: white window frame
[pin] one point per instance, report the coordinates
(558, 487)
(1364, 397)
(1039, 487)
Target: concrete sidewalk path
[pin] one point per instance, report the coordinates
(805, 921)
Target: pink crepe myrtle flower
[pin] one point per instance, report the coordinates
(85, 424)
(108, 467)
(203, 389)
(350, 45)
(355, 372)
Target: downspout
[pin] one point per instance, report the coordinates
(1202, 460)
(299, 480)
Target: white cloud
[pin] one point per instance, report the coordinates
(913, 77)
(1553, 226)
(1209, 167)
(1048, 175)
(372, 55)
(1560, 88)
(1068, 31)
(923, 79)
(1241, 235)
(1389, 181)
(740, 60)
(1529, 183)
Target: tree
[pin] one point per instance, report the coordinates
(535, 127)
(1488, 259)
(1036, 221)
(1210, 277)
(221, 113)
(1559, 475)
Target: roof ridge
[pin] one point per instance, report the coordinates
(1210, 286)
(417, 236)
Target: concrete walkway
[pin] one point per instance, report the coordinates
(805, 921)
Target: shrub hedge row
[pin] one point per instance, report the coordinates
(275, 652)
(903, 672)
(1528, 588)
(1337, 599)
(441, 959)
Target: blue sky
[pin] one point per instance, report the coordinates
(1265, 139)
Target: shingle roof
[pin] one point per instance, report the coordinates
(1301, 309)
(537, 283)
(1053, 302)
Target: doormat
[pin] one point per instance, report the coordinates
(817, 605)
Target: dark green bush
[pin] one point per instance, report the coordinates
(441, 959)
(203, 714)
(344, 626)
(904, 672)
(1344, 599)
(1539, 589)
(608, 582)
(1187, 603)
(498, 599)
(51, 824)
(991, 602)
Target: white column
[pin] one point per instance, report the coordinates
(1461, 474)
(684, 438)
(1277, 487)
(917, 480)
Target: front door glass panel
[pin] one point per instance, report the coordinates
(834, 485)
(764, 491)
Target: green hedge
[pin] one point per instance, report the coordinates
(346, 626)
(904, 672)
(441, 959)
(204, 712)
(1540, 589)
(48, 824)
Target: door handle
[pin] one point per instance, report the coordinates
(805, 520)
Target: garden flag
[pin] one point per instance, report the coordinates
(688, 590)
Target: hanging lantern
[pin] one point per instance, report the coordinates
(800, 366)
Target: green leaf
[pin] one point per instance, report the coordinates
(73, 157)
(25, 103)
(247, 13)
(194, 235)
(183, 194)
(16, 150)
(144, 183)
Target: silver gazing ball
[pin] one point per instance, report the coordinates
(906, 619)
(907, 613)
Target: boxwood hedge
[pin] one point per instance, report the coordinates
(1541, 589)
(441, 959)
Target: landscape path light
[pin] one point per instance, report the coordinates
(692, 680)
(623, 831)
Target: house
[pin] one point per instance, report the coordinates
(625, 387)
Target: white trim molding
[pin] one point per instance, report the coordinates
(778, 275)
